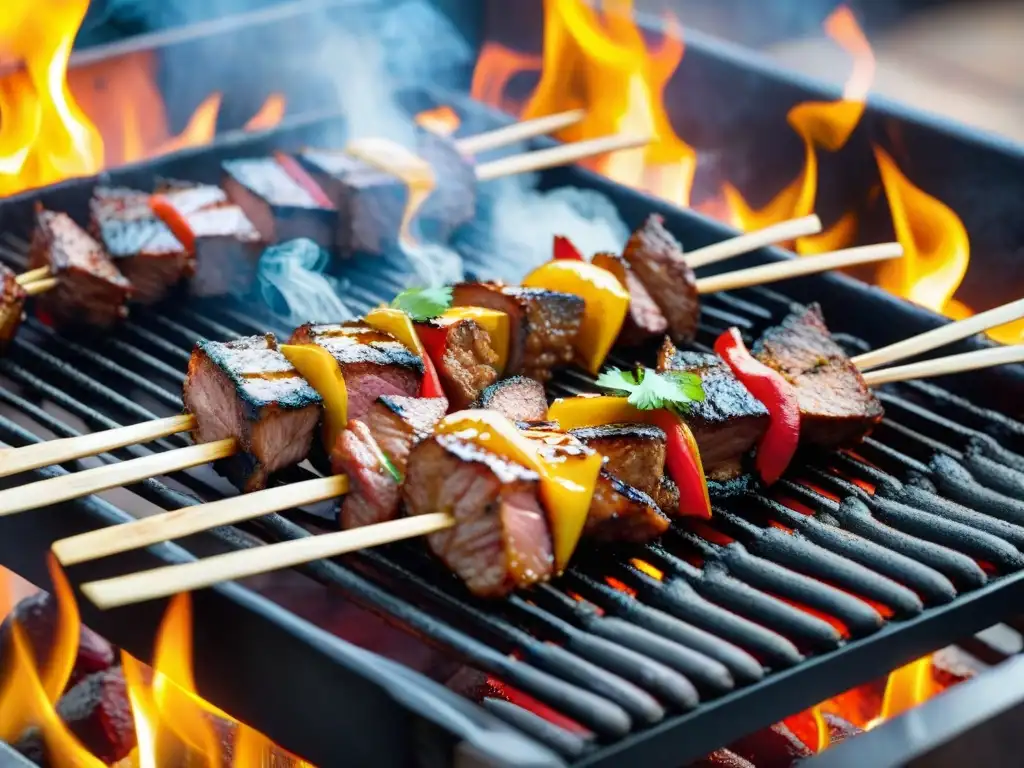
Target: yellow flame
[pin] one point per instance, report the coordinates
(824, 739)
(650, 570)
(907, 687)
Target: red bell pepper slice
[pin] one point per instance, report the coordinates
(683, 464)
(435, 343)
(164, 210)
(298, 174)
(564, 249)
(780, 442)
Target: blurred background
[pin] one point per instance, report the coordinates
(958, 58)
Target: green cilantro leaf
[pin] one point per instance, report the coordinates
(649, 390)
(423, 304)
(390, 467)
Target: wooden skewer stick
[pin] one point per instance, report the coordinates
(751, 241)
(941, 336)
(32, 275)
(783, 270)
(173, 579)
(943, 366)
(528, 129)
(78, 484)
(40, 286)
(563, 154)
(50, 452)
(201, 517)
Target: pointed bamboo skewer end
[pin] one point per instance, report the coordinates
(40, 286)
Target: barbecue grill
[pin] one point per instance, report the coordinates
(732, 637)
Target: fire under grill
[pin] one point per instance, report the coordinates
(856, 564)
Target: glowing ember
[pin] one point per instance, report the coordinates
(819, 124)
(934, 241)
(443, 121)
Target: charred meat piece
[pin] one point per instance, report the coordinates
(666, 496)
(12, 306)
(370, 201)
(728, 422)
(228, 250)
(644, 320)
(516, 398)
(500, 540)
(634, 453)
(657, 260)
(278, 206)
(620, 512)
(467, 364)
(90, 289)
(542, 324)
(187, 197)
(390, 429)
(837, 408)
(141, 245)
(246, 389)
(373, 363)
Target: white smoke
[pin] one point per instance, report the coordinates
(291, 281)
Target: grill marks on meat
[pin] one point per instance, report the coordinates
(620, 512)
(393, 425)
(634, 453)
(12, 305)
(247, 390)
(542, 324)
(500, 541)
(657, 260)
(644, 320)
(467, 366)
(837, 408)
(728, 422)
(143, 247)
(278, 206)
(516, 398)
(373, 363)
(90, 290)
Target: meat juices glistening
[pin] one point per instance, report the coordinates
(90, 290)
(837, 408)
(466, 367)
(542, 324)
(729, 422)
(247, 390)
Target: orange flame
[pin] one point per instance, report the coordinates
(495, 67)
(934, 240)
(907, 687)
(269, 115)
(601, 62)
(644, 567)
(44, 135)
(443, 120)
(819, 124)
(823, 734)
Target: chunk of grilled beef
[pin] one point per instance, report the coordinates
(467, 366)
(837, 408)
(729, 422)
(657, 260)
(620, 512)
(517, 398)
(542, 324)
(90, 290)
(644, 320)
(278, 206)
(666, 496)
(500, 540)
(187, 197)
(247, 390)
(391, 427)
(141, 245)
(373, 363)
(634, 453)
(371, 202)
(12, 305)
(227, 249)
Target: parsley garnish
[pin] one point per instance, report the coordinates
(649, 390)
(422, 304)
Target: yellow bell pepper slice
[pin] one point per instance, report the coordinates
(607, 302)
(593, 411)
(317, 366)
(398, 324)
(491, 320)
(566, 486)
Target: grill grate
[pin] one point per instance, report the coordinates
(666, 649)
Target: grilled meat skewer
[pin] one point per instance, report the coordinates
(12, 305)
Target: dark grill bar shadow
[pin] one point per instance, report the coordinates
(659, 652)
